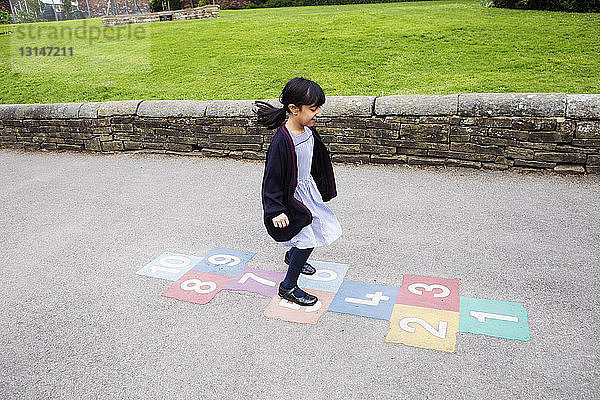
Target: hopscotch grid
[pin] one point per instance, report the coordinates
(426, 312)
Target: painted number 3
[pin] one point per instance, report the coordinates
(414, 288)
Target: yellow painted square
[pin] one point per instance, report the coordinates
(431, 329)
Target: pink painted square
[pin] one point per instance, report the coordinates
(430, 292)
(291, 312)
(197, 287)
(257, 281)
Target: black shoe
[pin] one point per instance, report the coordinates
(307, 269)
(288, 294)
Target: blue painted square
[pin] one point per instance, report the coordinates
(170, 266)
(503, 319)
(224, 261)
(365, 299)
(329, 276)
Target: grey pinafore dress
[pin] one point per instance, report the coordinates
(324, 228)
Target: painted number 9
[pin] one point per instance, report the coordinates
(226, 260)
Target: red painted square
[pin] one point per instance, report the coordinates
(288, 311)
(430, 292)
(197, 287)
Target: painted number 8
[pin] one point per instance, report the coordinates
(196, 285)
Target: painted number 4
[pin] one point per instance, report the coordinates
(375, 298)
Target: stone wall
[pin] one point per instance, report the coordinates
(554, 132)
(208, 11)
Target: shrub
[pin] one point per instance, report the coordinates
(161, 5)
(550, 5)
(5, 17)
(291, 3)
(22, 16)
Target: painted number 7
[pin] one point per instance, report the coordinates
(250, 275)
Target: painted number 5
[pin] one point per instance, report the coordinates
(440, 332)
(224, 259)
(414, 288)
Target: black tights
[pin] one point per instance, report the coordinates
(298, 258)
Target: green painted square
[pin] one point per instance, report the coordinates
(503, 319)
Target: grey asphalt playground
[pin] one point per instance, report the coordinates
(76, 322)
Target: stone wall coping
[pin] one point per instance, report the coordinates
(123, 107)
(172, 108)
(171, 12)
(348, 106)
(514, 104)
(52, 110)
(583, 106)
(411, 105)
(576, 106)
(12, 111)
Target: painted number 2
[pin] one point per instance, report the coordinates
(414, 289)
(440, 332)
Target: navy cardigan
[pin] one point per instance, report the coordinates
(280, 179)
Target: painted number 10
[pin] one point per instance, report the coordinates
(169, 266)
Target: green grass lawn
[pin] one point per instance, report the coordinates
(434, 47)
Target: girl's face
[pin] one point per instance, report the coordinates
(305, 115)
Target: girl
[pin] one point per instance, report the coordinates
(298, 178)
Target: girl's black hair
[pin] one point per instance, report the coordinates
(298, 91)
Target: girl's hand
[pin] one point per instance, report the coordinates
(281, 221)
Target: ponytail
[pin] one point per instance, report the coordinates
(298, 91)
(269, 116)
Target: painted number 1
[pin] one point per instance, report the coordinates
(481, 316)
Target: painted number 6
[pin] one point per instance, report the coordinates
(224, 259)
(440, 332)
